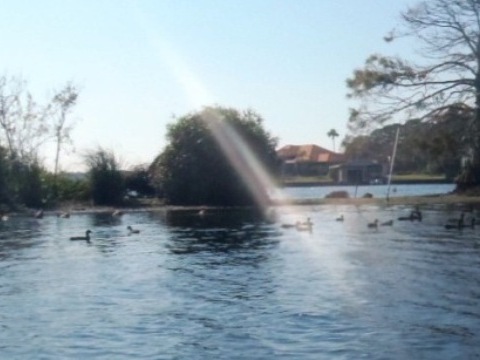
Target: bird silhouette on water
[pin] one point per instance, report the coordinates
(132, 230)
(84, 238)
(373, 225)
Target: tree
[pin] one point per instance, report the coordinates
(423, 147)
(23, 122)
(204, 162)
(333, 134)
(62, 104)
(446, 81)
(25, 126)
(106, 181)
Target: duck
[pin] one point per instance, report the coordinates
(117, 213)
(387, 223)
(64, 215)
(373, 225)
(306, 225)
(307, 222)
(132, 230)
(201, 212)
(303, 226)
(459, 223)
(414, 215)
(85, 238)
(340, 218)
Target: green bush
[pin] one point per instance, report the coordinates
(106, 181)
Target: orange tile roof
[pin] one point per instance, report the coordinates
(310, 153)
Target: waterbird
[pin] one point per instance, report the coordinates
(117, 213)
(459, 223)
(373, 224)
(38, 214)
(132, 230)
(340, 218)
(304, 225)
(307, 222)
(414, 215)
(387, 223)
(85, 238)
(64, 215)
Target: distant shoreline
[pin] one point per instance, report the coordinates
(447, 199)
(401, 200)
(396, 182)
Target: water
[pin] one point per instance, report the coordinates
(378, 191)
(233, 286)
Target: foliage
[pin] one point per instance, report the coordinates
(139, 180)
(23, 122)
(63, 187)
(194, 168)
(21, 183)
(391, 88)
(62, 104)
(333, 134)
(25, 127)
(106, 181)
(434, 147)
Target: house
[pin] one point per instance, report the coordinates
(358, 172)
(307, 160)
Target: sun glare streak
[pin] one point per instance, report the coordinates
(195, 92)
(240, 156)
(251, 171)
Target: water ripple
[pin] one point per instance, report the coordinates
(233, 286)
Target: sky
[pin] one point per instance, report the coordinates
(139, 64)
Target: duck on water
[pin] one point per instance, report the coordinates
(132, 230)
(84, 238)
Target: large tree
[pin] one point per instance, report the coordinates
(216, 157)
(445, 78)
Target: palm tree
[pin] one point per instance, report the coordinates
(333, 134)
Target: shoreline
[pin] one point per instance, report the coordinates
(400, 200)
(446, 199)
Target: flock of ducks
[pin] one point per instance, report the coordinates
(66, 215)
(415, 215)
(88, 232)
(306, 225)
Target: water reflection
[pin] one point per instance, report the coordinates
(219, 231)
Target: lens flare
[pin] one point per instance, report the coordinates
(244, 161)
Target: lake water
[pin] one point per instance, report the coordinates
(230, 285)
(378, 191)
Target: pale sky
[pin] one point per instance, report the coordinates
(139, 63)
